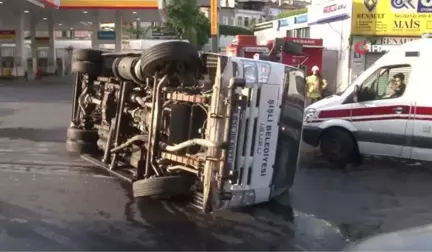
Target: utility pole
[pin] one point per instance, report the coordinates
(214, 23)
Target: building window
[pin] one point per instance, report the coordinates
(246, 22)
(225, 20)
(304, 32)
(239, 21)
(58, 34)
(292, 33)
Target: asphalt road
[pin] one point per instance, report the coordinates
(50, 200)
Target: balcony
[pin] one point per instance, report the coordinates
(255, 5)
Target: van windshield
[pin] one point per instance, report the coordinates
(343, 91)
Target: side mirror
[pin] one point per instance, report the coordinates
(292, 48)
(356, 93)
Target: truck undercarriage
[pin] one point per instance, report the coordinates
(161, 119)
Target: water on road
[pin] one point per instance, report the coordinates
(51, 200)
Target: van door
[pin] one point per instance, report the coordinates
(382, 112)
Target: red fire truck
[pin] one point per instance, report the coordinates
(311, 50)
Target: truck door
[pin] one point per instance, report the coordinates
(380, 116)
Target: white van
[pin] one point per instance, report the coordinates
(387, 111)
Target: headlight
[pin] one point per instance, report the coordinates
(250, 73)
(263, 72)
(256, 72)
(309, 113)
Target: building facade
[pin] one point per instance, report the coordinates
(355, 33)
(379, 26)
(328, 20)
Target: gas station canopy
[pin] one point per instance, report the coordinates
(78, 14)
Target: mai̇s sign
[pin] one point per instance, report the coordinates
(391, 17)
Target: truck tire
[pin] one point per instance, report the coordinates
(86, 67)
(88, 136)
(80, 147)
(338, 146)
(90, 55)
(168, 186)
(159, 56)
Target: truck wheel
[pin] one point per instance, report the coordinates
(157, 57)
(88, 136)
(168, 186)
(86, 67)
(81, 147)
(90, 55)
(338, 146)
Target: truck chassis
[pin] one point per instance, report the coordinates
(153, 119)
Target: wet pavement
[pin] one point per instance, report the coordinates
(50, 200)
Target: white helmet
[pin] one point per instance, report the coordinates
(315, 68)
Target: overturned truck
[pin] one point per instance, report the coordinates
(222, 131)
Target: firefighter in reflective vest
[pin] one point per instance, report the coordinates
(315, 85)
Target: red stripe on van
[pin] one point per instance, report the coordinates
(375, 111)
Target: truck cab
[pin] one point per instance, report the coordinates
(386, 111)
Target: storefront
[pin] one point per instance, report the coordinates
(330, 21)
(377, 26)
(374, 48)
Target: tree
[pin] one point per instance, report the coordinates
(203, 29)
(185, 19)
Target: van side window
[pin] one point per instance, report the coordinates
(386, 83)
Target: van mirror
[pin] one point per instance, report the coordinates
(356, 93)
(292, 48)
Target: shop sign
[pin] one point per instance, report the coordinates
(106, 35)
(7, 34)
(364, 47)
(264, 26)
(306, 41)
(391, 17)
(329, 12)
(162, 32)
(380, 45)
(394, 40)
(301, 19)
(282, 23)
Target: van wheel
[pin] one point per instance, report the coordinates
(338, 146)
